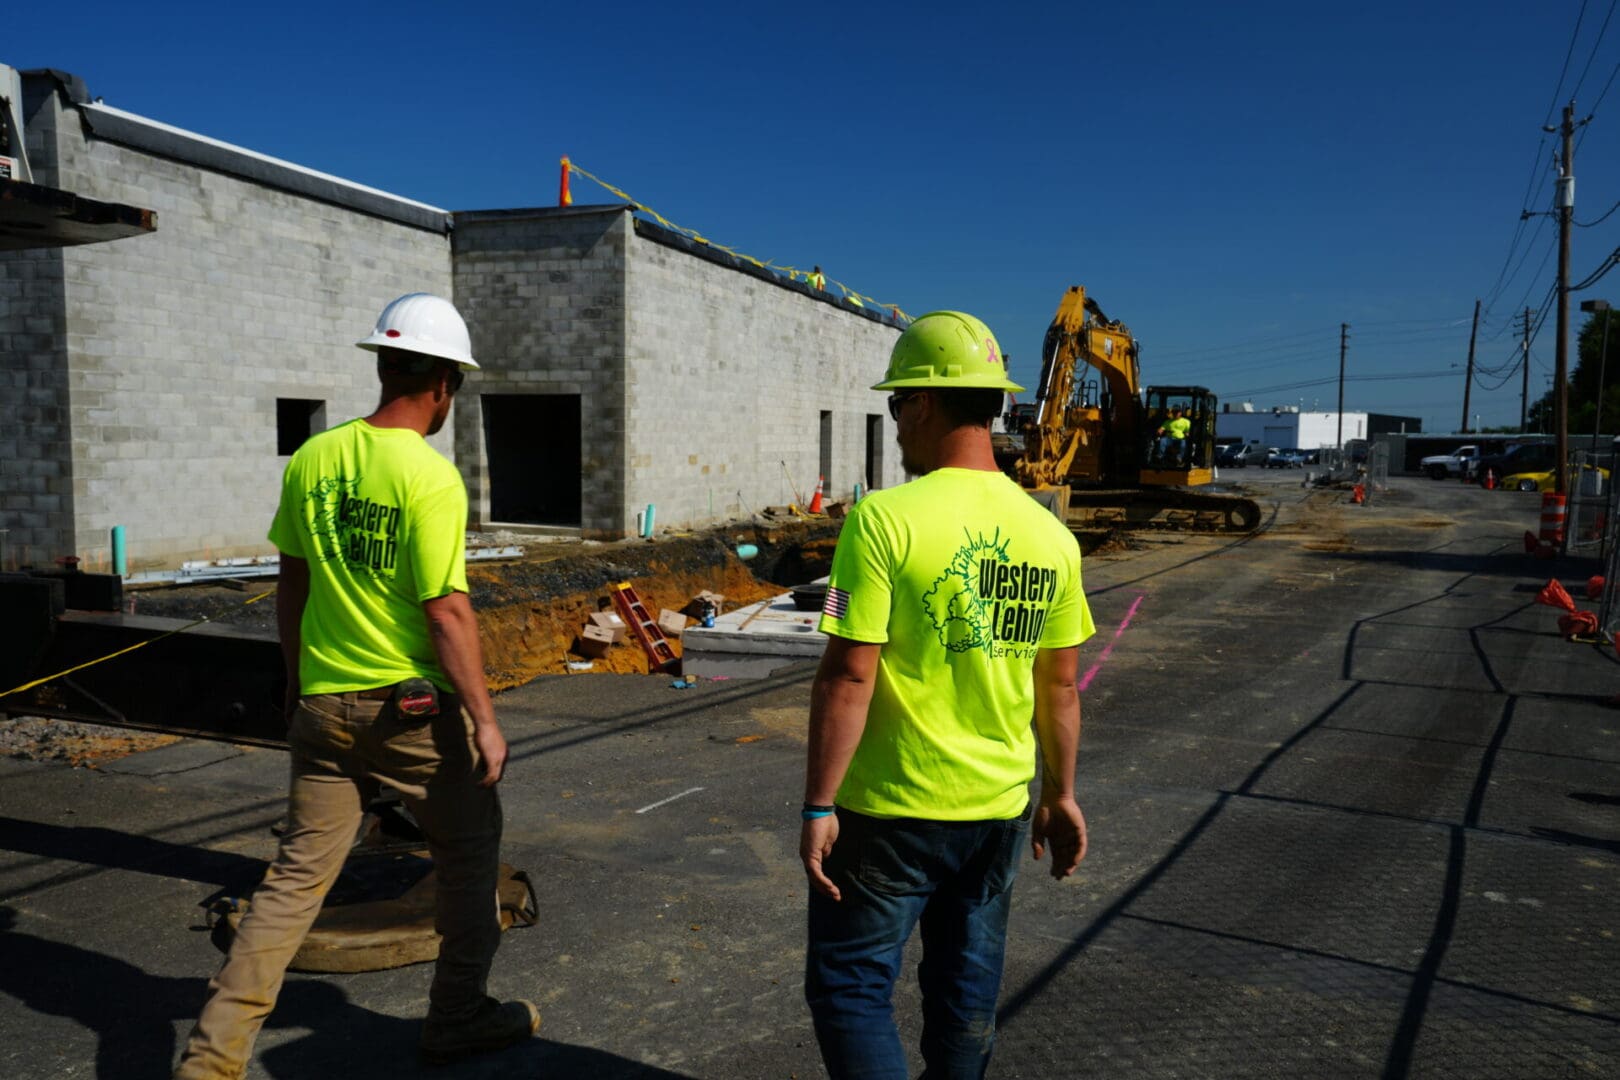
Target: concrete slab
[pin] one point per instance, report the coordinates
(752, 641)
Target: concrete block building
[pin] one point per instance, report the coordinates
(159, 382)
(627, 366)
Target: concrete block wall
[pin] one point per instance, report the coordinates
(727, 377)
(36, 434)
(179, 343)
(543, 294)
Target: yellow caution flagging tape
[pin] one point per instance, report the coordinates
(138, 645)
(792, 273)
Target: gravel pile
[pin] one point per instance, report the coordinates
(36, 738)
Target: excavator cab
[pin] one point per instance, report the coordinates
(1168, 461)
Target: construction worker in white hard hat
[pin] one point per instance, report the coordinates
(385, 684)
(954, 613)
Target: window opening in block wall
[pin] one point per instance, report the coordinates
(532, 443)
(874, 450)
(296, 420)
(825, 463)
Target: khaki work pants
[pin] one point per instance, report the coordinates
(338, 741)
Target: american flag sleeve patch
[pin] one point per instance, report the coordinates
(837, 603)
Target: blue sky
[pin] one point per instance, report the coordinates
(1232, 181)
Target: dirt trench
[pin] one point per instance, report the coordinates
(530, 611)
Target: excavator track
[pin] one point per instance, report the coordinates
(1162, 508)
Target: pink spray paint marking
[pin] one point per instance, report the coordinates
(1091, 673)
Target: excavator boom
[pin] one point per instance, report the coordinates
(1091, 443)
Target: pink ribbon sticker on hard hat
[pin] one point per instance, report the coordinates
(990, 344)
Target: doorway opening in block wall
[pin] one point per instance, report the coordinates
(824, 464)
(532, 445)
(874, 450)
(296, 420)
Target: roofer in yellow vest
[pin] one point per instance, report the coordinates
(816, 279)
(954, 613)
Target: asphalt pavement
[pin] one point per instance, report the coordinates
(1354, 811)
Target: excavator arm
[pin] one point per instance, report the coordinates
(1065, 424)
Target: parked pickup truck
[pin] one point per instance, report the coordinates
(1440, 466)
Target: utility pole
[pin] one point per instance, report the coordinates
(1565, 207)
(1468, 380)
(1344, 338)
(1524, 358)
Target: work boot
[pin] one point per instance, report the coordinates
(498, 1024)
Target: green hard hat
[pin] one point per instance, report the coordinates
(948, 350)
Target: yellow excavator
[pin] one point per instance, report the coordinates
(1096, 450)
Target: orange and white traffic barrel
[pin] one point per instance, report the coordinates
(1553, 507)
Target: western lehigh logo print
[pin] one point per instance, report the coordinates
(986, 600)
(362, 532)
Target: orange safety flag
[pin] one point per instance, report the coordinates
(1555, 595)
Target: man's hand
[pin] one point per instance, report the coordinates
(1059, 823)
(816, 841)
(491, 746)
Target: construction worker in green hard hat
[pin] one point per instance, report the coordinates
(954, 613)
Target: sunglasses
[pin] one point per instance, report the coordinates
(457, 377)
(897, 402)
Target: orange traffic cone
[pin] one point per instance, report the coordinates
(815, 500)
(1490, 479)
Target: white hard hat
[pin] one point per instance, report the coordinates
(420, 322)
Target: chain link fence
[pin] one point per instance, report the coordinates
(1378, 466)
(1589, 509)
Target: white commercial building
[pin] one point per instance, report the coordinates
(1288, 427)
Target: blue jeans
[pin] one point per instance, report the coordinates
(956, 879)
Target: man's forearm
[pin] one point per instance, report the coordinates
(1057, 720)
(1059, 735)
(837, 719)
(453, 629)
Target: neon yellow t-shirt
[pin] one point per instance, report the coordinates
(1178, 427)
(962, 577)
(381, 518)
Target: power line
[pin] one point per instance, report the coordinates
(1559, 89)
(1593, 54)
(1599, 221)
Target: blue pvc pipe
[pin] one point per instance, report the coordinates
(746, 551)
(647, 522)
(120, 565)
(858, 493)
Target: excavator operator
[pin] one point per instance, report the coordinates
(1173, 437)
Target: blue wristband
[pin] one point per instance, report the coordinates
(811, 815)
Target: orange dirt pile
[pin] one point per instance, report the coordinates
(522, 641)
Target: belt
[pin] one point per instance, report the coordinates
(381, 693)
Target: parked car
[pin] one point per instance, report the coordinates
(1529, 458)
(1311, 457)
(1440, 466)
(1284, 458)
(1238, 455)
(1543, 481)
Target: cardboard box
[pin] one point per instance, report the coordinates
(694, 606)
(672, 623)
(593, 641)
(609, 620)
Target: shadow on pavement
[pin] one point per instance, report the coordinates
(134, 1016)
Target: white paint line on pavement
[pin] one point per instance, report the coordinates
(672, 798)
